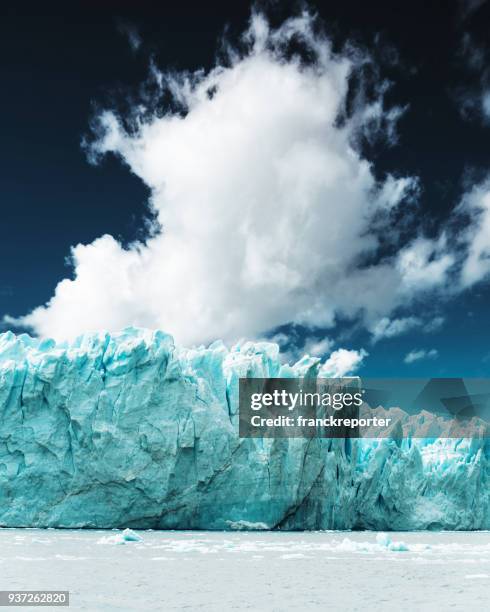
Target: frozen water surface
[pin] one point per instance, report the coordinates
(115, 570)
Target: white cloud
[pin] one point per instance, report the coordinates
(425, 264)
(434, 324)
(389, 328)
(264, 200)
(417, 355)
(342, 362)
(476, 236)
(266, 203)
(295, 345)
(485, 103)
(317, 348)
(395, 190)
(473, 97)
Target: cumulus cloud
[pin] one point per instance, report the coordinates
(264, 199)
(343, 362)
(417, 355)
(297, 344)
(270, 213)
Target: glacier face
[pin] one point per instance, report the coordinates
(130, 430)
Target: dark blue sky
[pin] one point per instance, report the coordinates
(60, 63)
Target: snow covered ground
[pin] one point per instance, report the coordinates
(158, 570)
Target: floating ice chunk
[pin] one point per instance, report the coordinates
(131, 536)
(348, 545)
(112, 539)
(383, 543)
(128, 535)
(383, 540)
(247, 526)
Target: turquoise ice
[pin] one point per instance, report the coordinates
(130, 430)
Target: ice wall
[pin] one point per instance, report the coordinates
(129, 430)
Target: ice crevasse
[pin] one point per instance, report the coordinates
(130, 430)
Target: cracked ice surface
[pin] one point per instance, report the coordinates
(129, 430)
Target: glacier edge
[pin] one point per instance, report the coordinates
(130, 430)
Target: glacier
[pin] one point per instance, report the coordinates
(130, 430)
